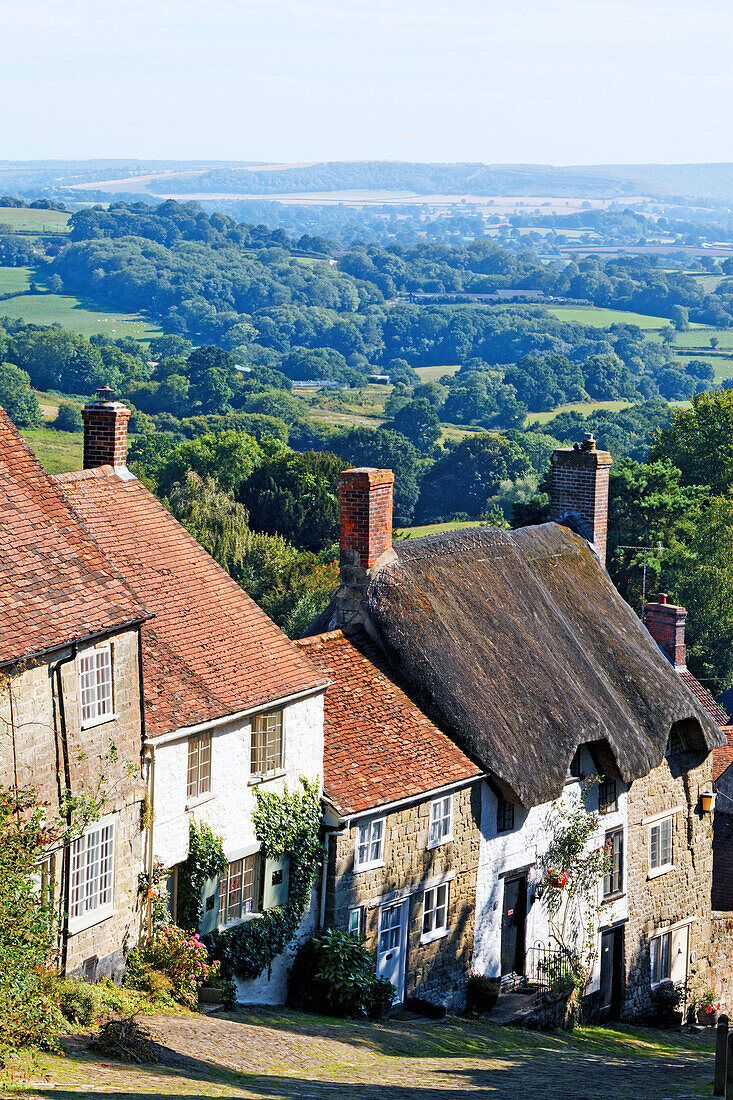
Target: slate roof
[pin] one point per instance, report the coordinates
(379, 746)
(210, 651)
(518, 646)
(56, 585)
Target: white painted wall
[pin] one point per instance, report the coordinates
(228, 808)
(523, 847)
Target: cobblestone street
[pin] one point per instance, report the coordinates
(277, 1054)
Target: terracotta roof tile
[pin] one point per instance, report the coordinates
(701, 693)
(210, 651)
(379, 746)
(56, 585)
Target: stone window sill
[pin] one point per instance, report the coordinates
(103, 718)
(657, 871)
(255, 780)
(614, 897)
(368, 866)
(194, 803)
(439, 843)
(88, 920)
(431, 937)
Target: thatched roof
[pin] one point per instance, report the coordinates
(517, 645)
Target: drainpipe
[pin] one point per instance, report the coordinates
(324, 880)
(61, 734)
(150, 761)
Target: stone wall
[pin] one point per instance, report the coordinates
(679, 895)
(437, 970)
(32, 754)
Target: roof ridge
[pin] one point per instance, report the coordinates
(329, 635)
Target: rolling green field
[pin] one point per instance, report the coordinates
(436, 528)
(699, 337)
(585, 407)
(78, 315)
(432, 374)
(58, 452)
(14, 280)
(602, 318)
(34, 221)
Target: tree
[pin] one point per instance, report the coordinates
(213, 378)
(68, 418)
(465, 478)
(295, 494)
(705, 586)
(714, 341)
(228, 457)
(699, 441)
(385, 450)
(418, 422)
(680, 318)
(214, 519)
(17, 397)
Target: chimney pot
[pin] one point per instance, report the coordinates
(666, 624)
(661, 597)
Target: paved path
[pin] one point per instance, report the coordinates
(276, 1054)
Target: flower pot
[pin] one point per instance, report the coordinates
(707, 1019)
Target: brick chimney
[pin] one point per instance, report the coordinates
(666, 624)
(579, 489)
(105, 431)
(365, 498)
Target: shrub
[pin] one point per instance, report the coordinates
(68, 419)
(172, 963)
(481, 992)
(84, 1003)
(667, 997)
(334, 974)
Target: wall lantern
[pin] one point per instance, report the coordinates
(707, 799)
(539, 890)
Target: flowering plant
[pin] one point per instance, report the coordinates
(706, 1003)
(182, 958)
(558, 879)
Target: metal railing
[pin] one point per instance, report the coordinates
(548, 966)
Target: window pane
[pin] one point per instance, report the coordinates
(654, 960)
(654, 857)
(267, 743)
(428, 911)
(664, 956)
(95, 684)
(92, 871)
(376, 849)
(666, 841)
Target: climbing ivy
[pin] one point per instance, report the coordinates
(205, 859)
(286, 824)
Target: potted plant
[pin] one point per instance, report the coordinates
(707, 1008)
(666, 1001)
(482, 992)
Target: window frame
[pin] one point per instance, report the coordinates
(225, 889)
(201, 740)
(357, 912)
(443, 819)
(431, 906)
(608, 895)
(657, 957)
(502, 815)
(260, 754)
(373, 861)
(81, 915)
(661, 868)
(607, 805)
(99, 717)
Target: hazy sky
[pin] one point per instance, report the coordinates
(558, 81)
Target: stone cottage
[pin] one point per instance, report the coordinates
(518, 647)
(402, 806)
(231, 704)
(71, 720)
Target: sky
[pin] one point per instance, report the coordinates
(498, 81)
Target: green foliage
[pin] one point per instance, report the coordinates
(26, 926)
(205, 859)
(286, 825)
(386, 450)
(418, 422)
(334, 974)
(468, 475)
(17, 397)
(68, 418)
(214, 519)
(85, 1004)
(179, 957)
(229, 457)
(704, 583)
(296, 495)
(699, 441)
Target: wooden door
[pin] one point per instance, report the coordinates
(513, 920)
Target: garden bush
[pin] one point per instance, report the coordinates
(68, 419)
(172, 963)
(334, 974)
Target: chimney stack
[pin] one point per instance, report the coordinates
(579, 488)
(105, 431)
(666, 624)
(365, 499)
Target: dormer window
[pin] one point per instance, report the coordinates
(575, 769)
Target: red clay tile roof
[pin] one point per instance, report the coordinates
(379, 746)
(56, 585)
(210, 651)
(713, 708)
(723, 757)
